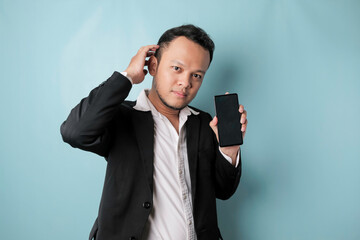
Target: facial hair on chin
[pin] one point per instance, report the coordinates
(166, 104)
(163, 100)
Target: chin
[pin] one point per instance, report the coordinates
(171, 102)
(175, 106)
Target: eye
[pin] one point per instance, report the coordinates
(198, 76)
(176, 68)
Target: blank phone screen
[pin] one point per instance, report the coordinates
(229, 126)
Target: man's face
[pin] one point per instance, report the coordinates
(180, 72)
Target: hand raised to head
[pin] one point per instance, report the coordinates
(136, 70)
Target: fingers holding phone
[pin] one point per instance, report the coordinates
(243, 120)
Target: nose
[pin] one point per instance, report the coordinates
(185, 81)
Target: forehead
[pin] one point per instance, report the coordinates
(183, 50)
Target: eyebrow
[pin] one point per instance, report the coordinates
(180, 63)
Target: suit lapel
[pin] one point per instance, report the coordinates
(192, 140)
(144, 131)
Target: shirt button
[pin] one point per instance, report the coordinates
(146, 205)
(184, 196)
(189, 222)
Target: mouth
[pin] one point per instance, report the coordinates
(180, 94)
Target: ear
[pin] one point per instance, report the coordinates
(153, 63)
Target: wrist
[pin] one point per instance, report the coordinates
(128, 76)
(231, 153)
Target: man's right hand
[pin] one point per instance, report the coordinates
(136, 70)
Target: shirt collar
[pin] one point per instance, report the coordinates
(144, 104)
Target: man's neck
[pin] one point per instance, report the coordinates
(169, 113)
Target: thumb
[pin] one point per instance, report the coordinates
(213, 124)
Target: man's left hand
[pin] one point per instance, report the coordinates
(231, 151)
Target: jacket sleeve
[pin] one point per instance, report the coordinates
(227, 176)
(88, 124)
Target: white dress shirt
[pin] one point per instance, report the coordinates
(171, 217)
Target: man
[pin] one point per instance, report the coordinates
(164, 166)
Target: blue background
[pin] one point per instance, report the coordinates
(295, 65)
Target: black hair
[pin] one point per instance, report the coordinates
(189, 31)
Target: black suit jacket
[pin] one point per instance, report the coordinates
(106, 124)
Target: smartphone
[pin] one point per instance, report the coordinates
(229, 126)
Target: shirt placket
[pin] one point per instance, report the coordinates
(184, 190)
